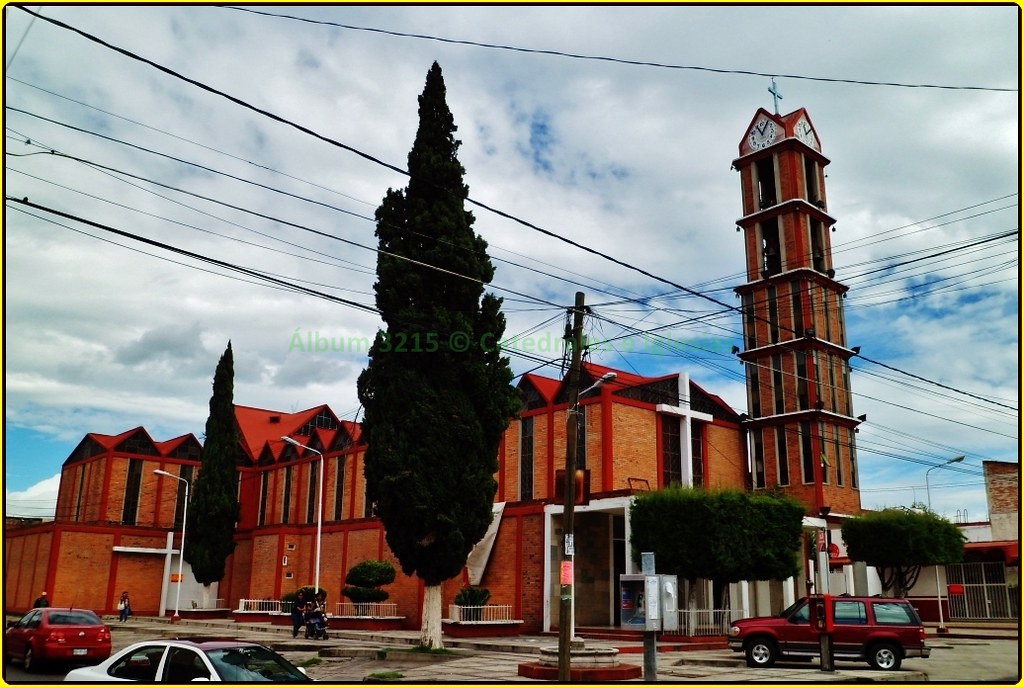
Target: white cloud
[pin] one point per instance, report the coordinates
(38, 501)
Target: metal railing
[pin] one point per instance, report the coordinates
(705, 623)
(373, 610)
(480, 614)
(197, 604)
(264, 606)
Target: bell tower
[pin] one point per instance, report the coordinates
(801, 424)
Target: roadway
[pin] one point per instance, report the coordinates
(987, 657)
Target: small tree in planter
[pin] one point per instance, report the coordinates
(364, 581)
(471, 601)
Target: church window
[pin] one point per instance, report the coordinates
(286, 505)
(755, 390)
(832, 382)
(756, 437)
(671, 451)
(826, 297)
(854, 477)
(837, 460)
(803, 402)
(264, 488)
(826, 459)
(81, 493)
(773, 313)
(526, 459)
(798, 308)
(697, 453)
(777, 391)
(312, 492)
(339, 490)
(751, 317)
(782, 454)
(807, 452)
(132, 489)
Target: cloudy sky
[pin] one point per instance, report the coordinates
(184, 155)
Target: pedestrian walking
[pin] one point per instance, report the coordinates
(298, 613)
(124, 607)
(41, 601)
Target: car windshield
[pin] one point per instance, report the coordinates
(253, 664)
(74, 618)
(800, 614)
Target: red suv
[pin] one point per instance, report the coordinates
(878, 630)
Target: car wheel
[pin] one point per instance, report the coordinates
(29, 662)
(761, 653)
(885, 656)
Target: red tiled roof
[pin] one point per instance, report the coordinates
(550, 389)
(259, 426)
(354, 429)
(111, 441)
(622, 379)
(545, 386)
(167, 447)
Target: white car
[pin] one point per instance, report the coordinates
(195, 659)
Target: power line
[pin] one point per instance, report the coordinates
(615, 60)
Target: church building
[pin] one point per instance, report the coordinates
(122, 498)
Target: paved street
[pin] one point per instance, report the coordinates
(989, 657)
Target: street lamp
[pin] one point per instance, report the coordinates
(927, 486)
(567, 625)
(181, 556)
(319, 508)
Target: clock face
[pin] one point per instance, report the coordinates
(763, 133)
(806, 134)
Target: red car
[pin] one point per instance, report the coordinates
(68, 635)
(875, 629)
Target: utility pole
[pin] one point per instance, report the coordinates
(568, 545)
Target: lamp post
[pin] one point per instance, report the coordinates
(319, 508)
(181, 556)
(927, 486)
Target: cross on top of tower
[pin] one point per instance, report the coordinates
(776, 94)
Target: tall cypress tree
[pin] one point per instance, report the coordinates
(436, 394)
(210, 536)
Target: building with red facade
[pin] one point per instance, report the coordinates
(118, 524)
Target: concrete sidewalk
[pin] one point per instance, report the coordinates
(358, 656)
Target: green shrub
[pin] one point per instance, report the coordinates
(363, 581)
(365, 595)
(370, 574)
(472, 596)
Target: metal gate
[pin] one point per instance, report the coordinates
(986, 595)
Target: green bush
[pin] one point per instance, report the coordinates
(363, 581)
(364, 595)
(370, 574)
(472, 596)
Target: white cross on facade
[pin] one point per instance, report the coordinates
(686, 415)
